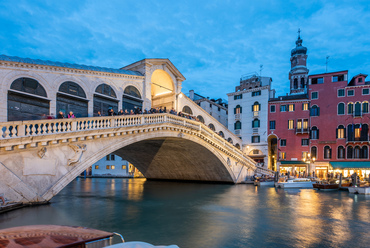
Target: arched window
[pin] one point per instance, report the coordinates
(105, 99)
(365, 107)
(327, 152)
(256, 107)
(341, 108)
(314, 133)
(357, 109)
(237, 109)
(71, 97)
(200, 118)
(350, 108)
(350, 132)
(230, 140)
(27, 100)
(131, 99)
(349, 152)
(314, 152)
(221, 134)
(295, 83)
(357, 152)
(364, 152)
(237, 125)
(341, 152)
(187, 109)
(255, 123)
(315, 111)
(237, 145)
(302, 83)
(364, 132)
(341, 132)
(212, 127)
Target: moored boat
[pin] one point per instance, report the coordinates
(327, 185)
(295, 183)
(359, 190)
(261, 182)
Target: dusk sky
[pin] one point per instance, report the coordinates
(212, 43)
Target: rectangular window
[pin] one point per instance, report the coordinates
(282, 155)
(365, 91)
(272, 108)
(256, 107)
(338, 78)
(219, 109)
(255, 152)
(304, 155)
(314, 95)
(256, 93)
(107, 167)
(272, 125)
(350, 93)
(283, 142)
(291, 107)
(340, 133)
(210, 105)
(282, 108)
(236, 97)
(96, 167)
(305, 124)
(255, 139)
(290, 124)
(357, 132)
(304, 142)
(123, 167)
(319, 80)
(112, 166)
(304, 106)
(299, 124)
(341, 93)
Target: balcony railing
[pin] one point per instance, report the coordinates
(238, 116)
(255, 130)
(255, 113)
(301, 130)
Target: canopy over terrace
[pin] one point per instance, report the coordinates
(362, 168)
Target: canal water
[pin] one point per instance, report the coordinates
(206, 215)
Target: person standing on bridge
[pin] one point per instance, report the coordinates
(111, 112)
(60, 115)
(71, 115)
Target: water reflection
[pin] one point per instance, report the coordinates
(206, 215)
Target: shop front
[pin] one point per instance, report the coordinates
(293, 168)
(362, 169)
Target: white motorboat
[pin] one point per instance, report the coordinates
(295, 183)
(268, 183)
(359, 190)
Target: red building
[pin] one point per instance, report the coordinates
(323, 125)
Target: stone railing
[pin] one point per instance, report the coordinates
(19, 129)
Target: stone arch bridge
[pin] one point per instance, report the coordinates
(39, 158)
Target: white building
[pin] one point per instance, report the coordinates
(248, 114)
(218, 109)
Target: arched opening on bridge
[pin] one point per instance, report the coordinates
(105, 98)
(162, 90)
(71, 97)
(272, 152)
(131, 98)
(237, 145)
(212, 127)
(27, 100)
(258, 156)
(221, 134)
(230, 140)
(200, 118)
(186, 109)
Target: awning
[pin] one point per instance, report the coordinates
(291, 162)
(351, 165)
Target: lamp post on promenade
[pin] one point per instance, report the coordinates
(308, 159)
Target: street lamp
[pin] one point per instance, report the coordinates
(308, 159)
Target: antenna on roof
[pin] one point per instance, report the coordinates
(261, 68)
(327, 61)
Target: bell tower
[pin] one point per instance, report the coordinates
(298, 74)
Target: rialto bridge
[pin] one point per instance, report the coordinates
(38, 158)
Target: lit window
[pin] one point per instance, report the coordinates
(123, 167)
(291, 107)
(283, 155)
(304, 106)
(112, 167)
(290, 124)
(107, 167)
(96, 167)
(304, 155)
(256, 107)
(237, 109)
(340, 132)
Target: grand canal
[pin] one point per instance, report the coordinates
(206, 215)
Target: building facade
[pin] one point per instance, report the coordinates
(113, 166)
(248, 115)
(322, 126)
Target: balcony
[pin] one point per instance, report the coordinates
(237, 132)
(301, 130)
(255, 130)
(238, 117)
(255, 113)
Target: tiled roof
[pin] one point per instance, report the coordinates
(67, 65)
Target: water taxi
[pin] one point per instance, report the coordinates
(359, 190)
(295, 183)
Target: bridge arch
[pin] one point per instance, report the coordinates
(162, 89)
(171, 155)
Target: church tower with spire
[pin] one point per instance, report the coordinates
(298, 74)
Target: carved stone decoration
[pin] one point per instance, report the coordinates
(228, 162)
(41, 152)
(78, 149)
(180, 135)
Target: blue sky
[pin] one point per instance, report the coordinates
(212, 43)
